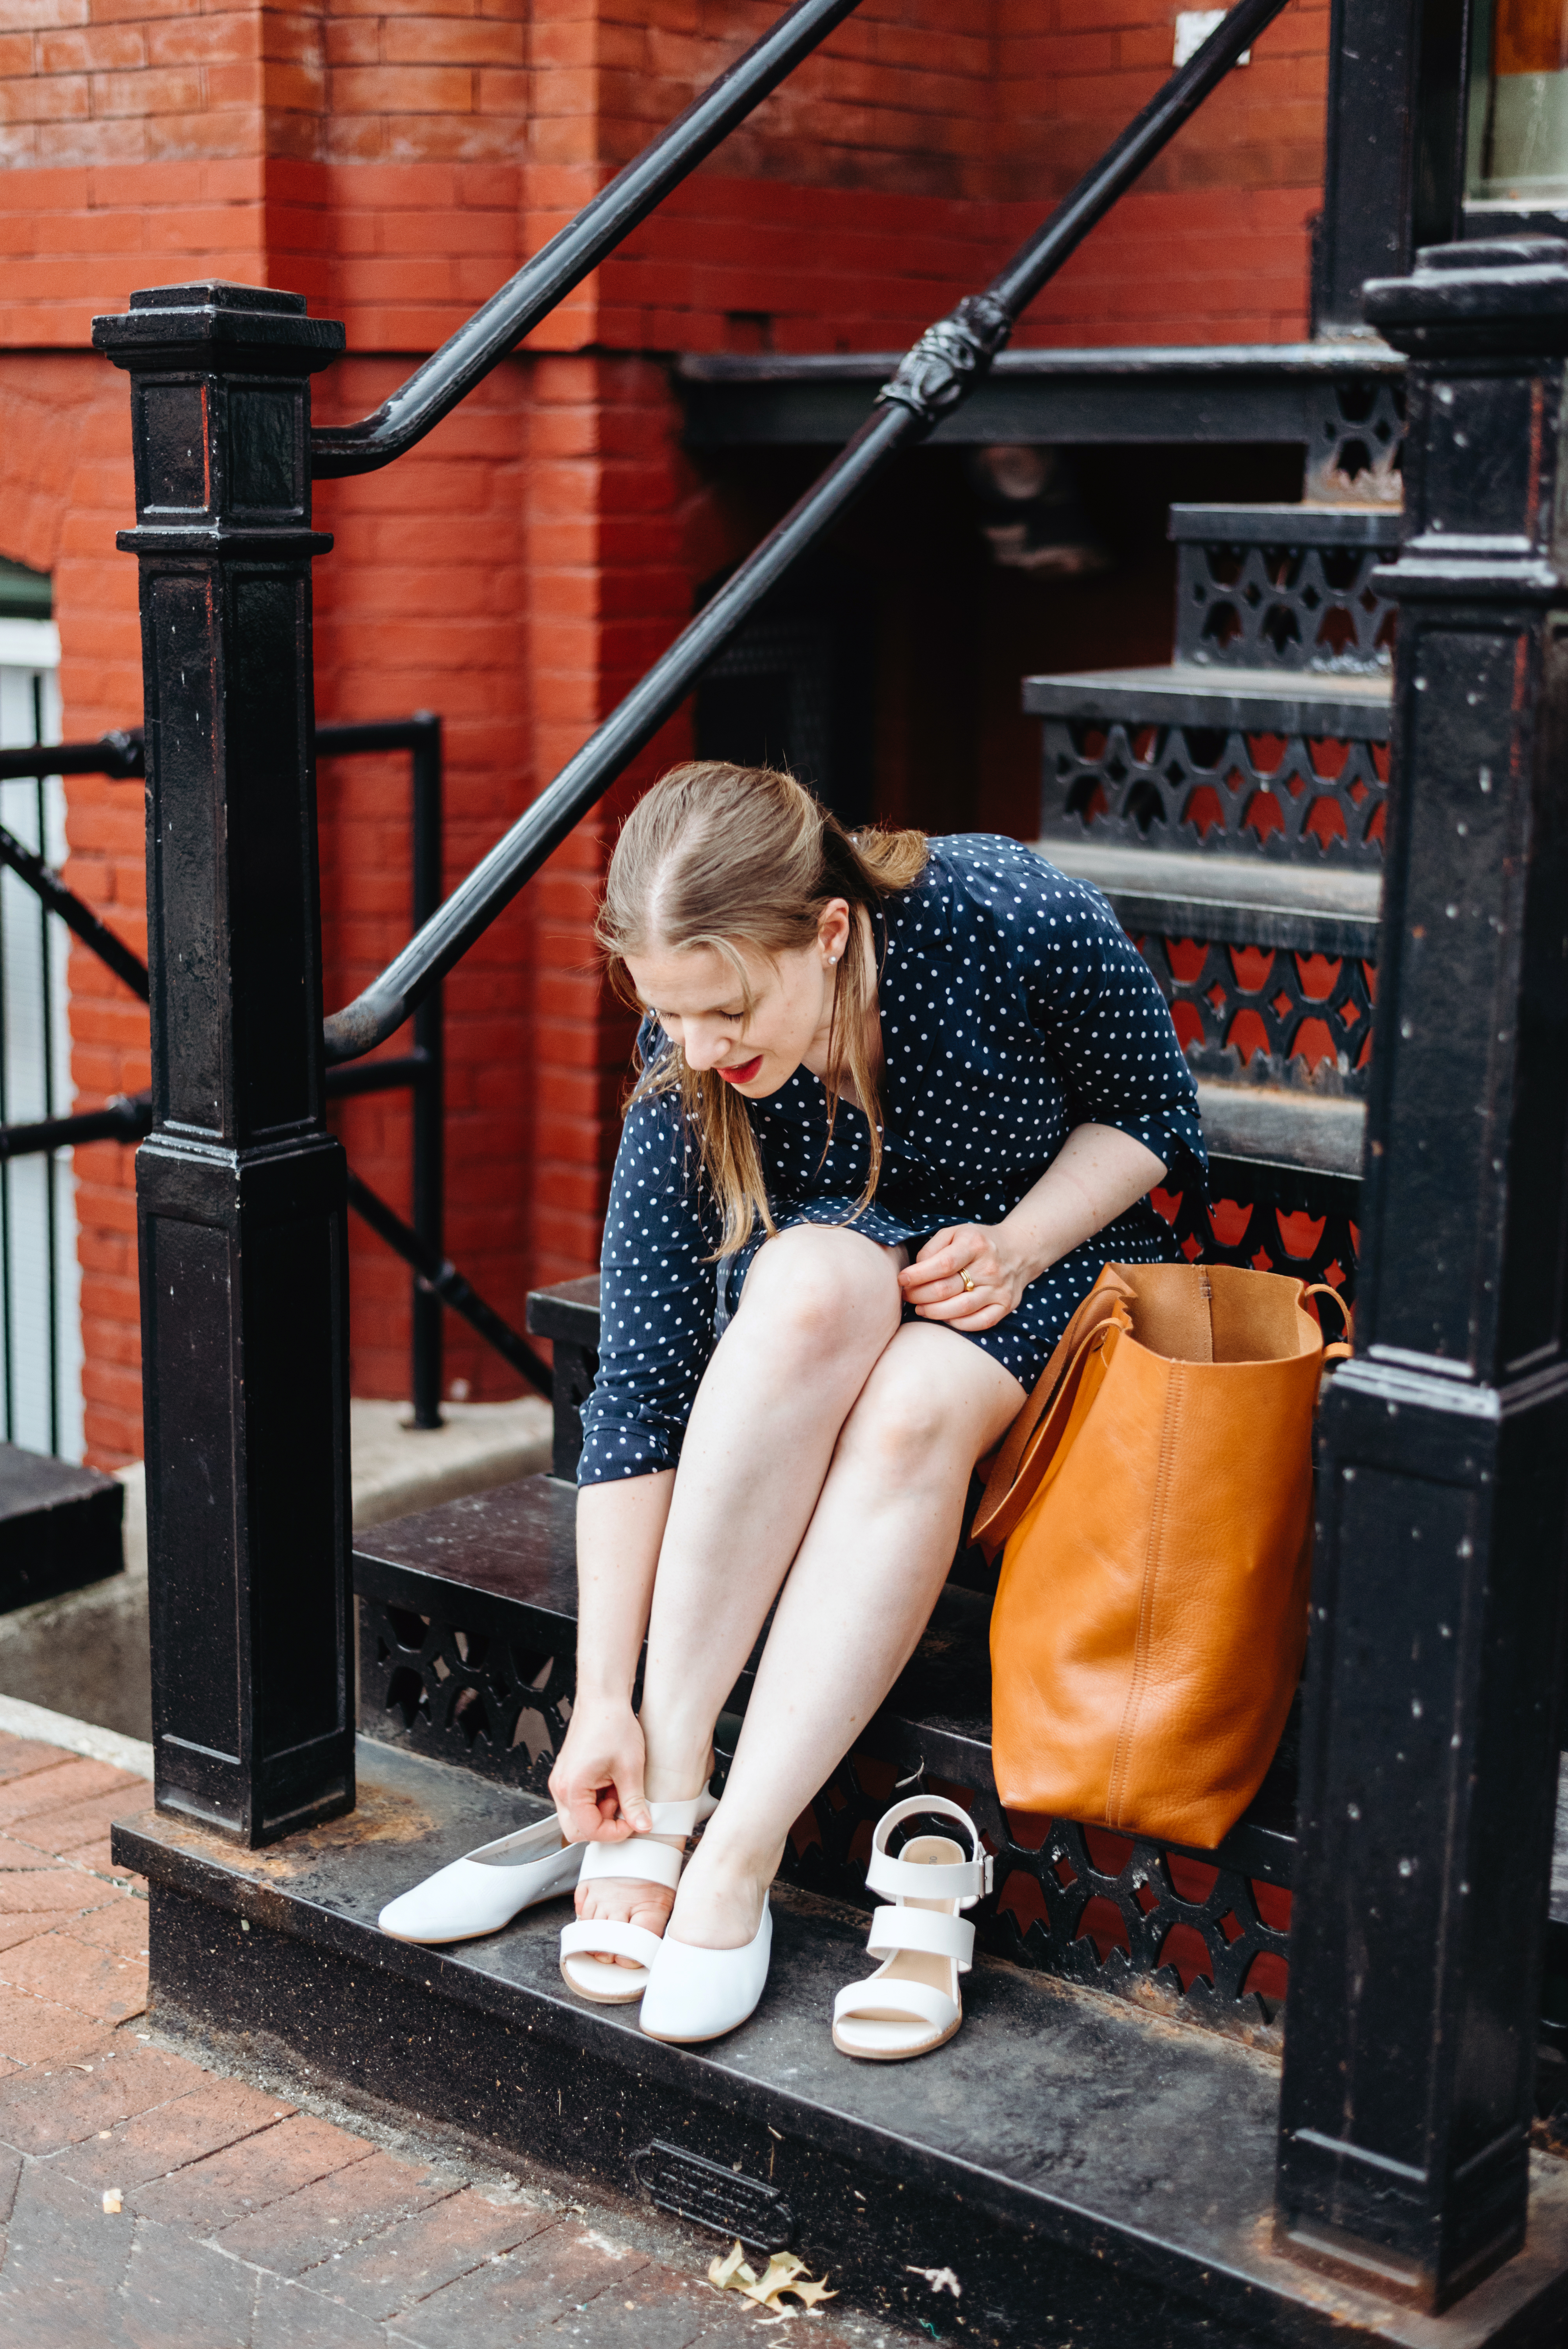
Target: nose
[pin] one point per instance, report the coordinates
(705, 1048)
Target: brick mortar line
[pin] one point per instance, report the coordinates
(443, 2147)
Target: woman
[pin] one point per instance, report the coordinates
(899, 1102)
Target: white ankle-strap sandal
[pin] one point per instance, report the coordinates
(912, 2003)
(583, 1967)
(486, 1888)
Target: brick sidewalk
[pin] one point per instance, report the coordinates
(150, 2204)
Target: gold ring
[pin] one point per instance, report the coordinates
(964, 1277)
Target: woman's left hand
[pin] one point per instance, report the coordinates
(970, 1275)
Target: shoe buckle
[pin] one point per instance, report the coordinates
(989, 1870)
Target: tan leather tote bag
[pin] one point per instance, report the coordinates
(1153, 1506)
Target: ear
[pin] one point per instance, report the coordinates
(833, 929)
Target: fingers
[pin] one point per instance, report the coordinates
(939, 1259)
(628, 1788)
(965, 1312)
(582, 1819)
(962, 1289)
(595, 1810)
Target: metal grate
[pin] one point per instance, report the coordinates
(1268, 1015)
(1286, 607)
(466, 1696)
(1356, 454)
(1208, 788)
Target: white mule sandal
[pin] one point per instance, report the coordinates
(912, 2003)
(486, 1888)
(646, 1861)
(695, 1994)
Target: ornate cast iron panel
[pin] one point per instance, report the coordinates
(1268, 1014)
(1207, 787)
(1281, 607)
(1356, 451)
(1128, 1917)
(1274, 1220)
(475, 1698)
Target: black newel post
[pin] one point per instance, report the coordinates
(1430, 1746)
(241, 1188)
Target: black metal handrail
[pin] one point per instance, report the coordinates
(121, 755)
(52, 893)
(434, 389)
(947, 364)
(127, 1118)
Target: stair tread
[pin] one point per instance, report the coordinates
(1348, 704)
(1057, 2122)
(1115, 866)
(995, 2101)
(512, 1552)
(1252, 899)
(1280, 524)
(59, 1526)
(1322, 1133)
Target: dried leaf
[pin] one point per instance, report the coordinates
(782, 2270)
(765, 2293)
(722, 2273)
(812, 2293)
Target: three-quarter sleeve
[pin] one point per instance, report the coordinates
(1091, 996)
(657, 1299)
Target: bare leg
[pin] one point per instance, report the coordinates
(859, 1596)
(818, 1309)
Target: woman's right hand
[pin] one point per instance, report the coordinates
(596, 1785)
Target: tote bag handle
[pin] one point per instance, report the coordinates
(1342, 1348)
(1039, 1428)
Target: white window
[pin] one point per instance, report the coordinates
(40, 1305)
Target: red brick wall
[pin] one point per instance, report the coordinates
(395, 162)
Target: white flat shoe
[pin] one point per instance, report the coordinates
(912, 2003)
(646, 1861)
(486, 1888)
(695, 1994)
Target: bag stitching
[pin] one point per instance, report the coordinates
(1121, 1760)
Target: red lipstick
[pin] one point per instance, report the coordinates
(743, 1074)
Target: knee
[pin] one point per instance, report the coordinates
(901, 1428)
(831, 1293)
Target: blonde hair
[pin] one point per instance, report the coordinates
(722, 857)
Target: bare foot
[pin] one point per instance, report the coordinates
(629, 1900)
(721, 1901)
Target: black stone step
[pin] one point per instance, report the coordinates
(1267, 733)
(59, 1526)
(467, 1646)
(1290, 1130)
(1284, 588)
(1067, 2169)
(1232, 900)
(1214, 701)
(1282, 956)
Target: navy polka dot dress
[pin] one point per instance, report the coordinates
(1013, 1008)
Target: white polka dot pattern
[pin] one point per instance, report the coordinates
(1013, 1008)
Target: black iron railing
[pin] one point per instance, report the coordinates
(240, 1173)
(497, 327)
(128, 1117)
(948, 362)
(1429, 1740)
